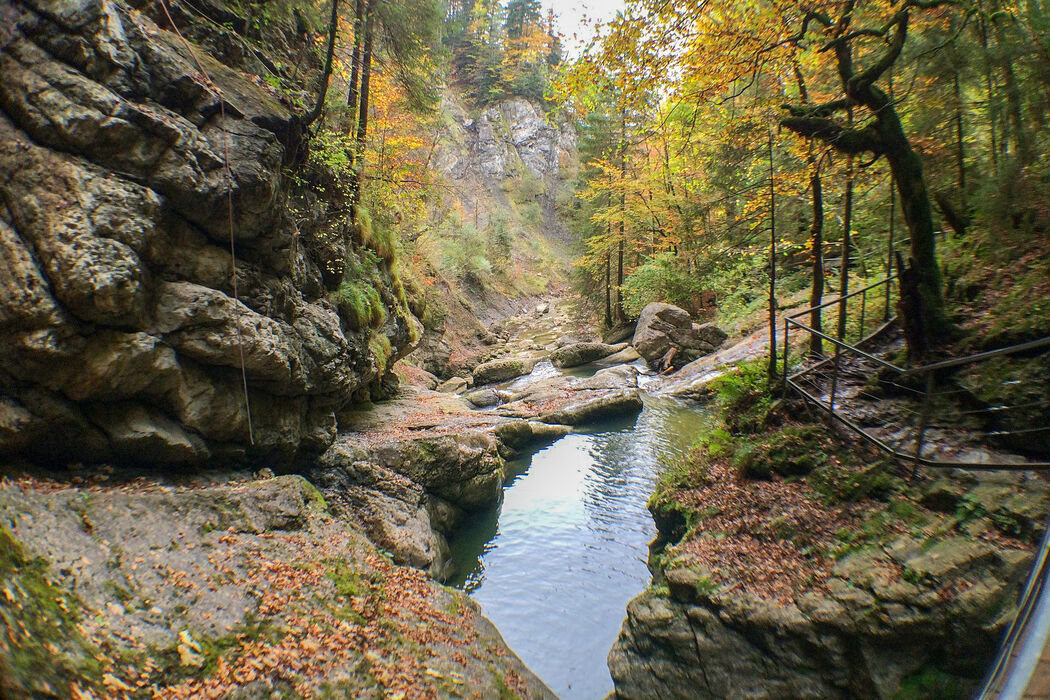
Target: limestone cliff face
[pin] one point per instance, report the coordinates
(513, 163)
(489, 154)
(125, 181)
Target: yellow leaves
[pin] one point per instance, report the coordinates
(79, 693)
(114, 684)
(190, 651)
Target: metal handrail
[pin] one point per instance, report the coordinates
(928, 371)
(842, 345)
(1019, 651)
(1034, 591)
(839, 300)
(978, 357)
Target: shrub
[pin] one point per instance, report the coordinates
(381, 350)
(791, 451)
(359, 304)
(747, 406)
(376, 236)
(462, 254)
(659, 279)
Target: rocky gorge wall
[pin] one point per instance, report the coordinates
(484, 153)
(134, 158)
(512, 163)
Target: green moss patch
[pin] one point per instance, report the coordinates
(42, 650)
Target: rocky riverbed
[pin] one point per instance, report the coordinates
(222, 582)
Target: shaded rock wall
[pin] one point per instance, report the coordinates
(126, 180)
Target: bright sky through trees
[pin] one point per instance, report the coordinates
(576, 19)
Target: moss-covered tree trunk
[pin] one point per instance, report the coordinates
(918, 215)
(884, 136)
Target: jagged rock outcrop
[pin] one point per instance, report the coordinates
(871, 632)
(667, 337)
(505, 139)
(411, 491)
(127, 181)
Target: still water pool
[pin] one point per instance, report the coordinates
(555, 564)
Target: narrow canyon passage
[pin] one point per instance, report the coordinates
(554, 565)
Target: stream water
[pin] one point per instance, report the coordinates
(555, 564)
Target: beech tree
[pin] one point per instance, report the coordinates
(880, 134)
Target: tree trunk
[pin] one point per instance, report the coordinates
(989, 96)
(909, 309)
(353, 95)
(620, 315)
(918, 215)
(772, 369)
(884, 136)
(608, 291)
(847, 226)
(816, 229)
(960, 148)
(333, 25)
(362, 118)
(906, 166)
(1022, 145)
(816, 246)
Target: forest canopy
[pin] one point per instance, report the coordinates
(862, 114)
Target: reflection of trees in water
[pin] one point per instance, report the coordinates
(473, 540)
(625, 456)
(628, 456)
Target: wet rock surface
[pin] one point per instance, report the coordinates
(501, 370)
(576, 354)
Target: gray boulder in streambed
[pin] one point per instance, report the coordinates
(578, 354)
(608, 406)
(667, 337)
(502, 370)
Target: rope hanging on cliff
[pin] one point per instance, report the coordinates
(209, 85)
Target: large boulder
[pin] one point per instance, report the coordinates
(612, 405)
(409, 491)
(581, 353)
(667, 337)
(502, 370)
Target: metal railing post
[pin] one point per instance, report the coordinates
(863, 308)
(924, 417)
(787, 330)
(834, 379)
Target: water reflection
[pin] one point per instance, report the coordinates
(556, 563)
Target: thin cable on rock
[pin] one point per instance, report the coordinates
(209, 84)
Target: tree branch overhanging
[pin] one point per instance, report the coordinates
(831, 132)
